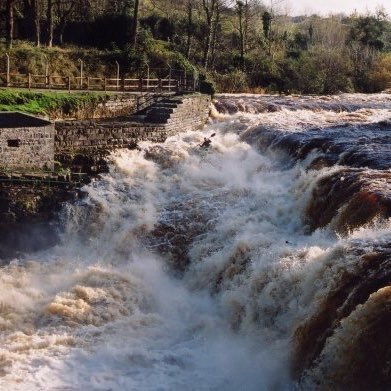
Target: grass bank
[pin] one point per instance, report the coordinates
(49, 104)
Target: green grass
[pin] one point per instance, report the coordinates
(47, 103)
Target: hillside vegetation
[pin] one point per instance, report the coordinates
(238, 46)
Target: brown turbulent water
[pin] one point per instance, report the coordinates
(344, 343)
(261, 263)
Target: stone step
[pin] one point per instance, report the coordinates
(160, 111)
(171, 100)
(157, 115)
(157, 120)
(165, 105)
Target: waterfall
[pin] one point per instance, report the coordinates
(260, 263)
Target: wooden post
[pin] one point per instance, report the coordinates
(8, 70)
(123, 84)
(148, 73)
(88, 83)
(160, 85)
(69, 84)
(47, 82)
(117, 75)
(81, 73)
(177, 86)
(105, 84)
(140, 84)
(169, 80)
(29, 81)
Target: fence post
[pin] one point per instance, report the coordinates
(123, 84)
(104, 84)
(81, 73)
(169, 80)
(117, 75)
(140, 84)
(148, 77)
(8, 70)
(177, 85)
(29, 81)
(88, 83)
(160, 85)
(69, 83)
(46, 70)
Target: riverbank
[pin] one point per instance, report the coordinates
(63, 105)
(80, 150)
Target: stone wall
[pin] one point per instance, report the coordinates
(191, 114)
(81, 135)
(114, 105)
(25, 142)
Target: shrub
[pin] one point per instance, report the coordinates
(380, 75)
(232, 82)
(207, 86)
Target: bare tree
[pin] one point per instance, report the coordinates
(63, 10)
(50, 23)
(133, 35)
(10, 22)
(242, 11)
(210, 8)
(37, 22)
(189, 27)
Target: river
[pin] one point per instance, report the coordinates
(261, 263)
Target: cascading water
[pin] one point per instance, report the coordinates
(261, 263)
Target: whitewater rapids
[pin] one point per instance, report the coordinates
(192, 269)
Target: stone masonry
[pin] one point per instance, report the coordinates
(26, 142)
(31, 143)
(163, 119)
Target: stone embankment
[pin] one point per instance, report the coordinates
(107, 106)
(164, 118)
(83, 145)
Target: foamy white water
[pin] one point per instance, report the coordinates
(107, 308)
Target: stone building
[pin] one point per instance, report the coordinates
(26, 142)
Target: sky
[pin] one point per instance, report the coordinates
(300, 7)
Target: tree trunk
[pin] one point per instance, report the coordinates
(133, 36)
(214, 36)
(10, 23)
(209, 9)
(37, 26)
(49, 17)
(207, 48)
(61, 34)
(240, 11)
(189, 27)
